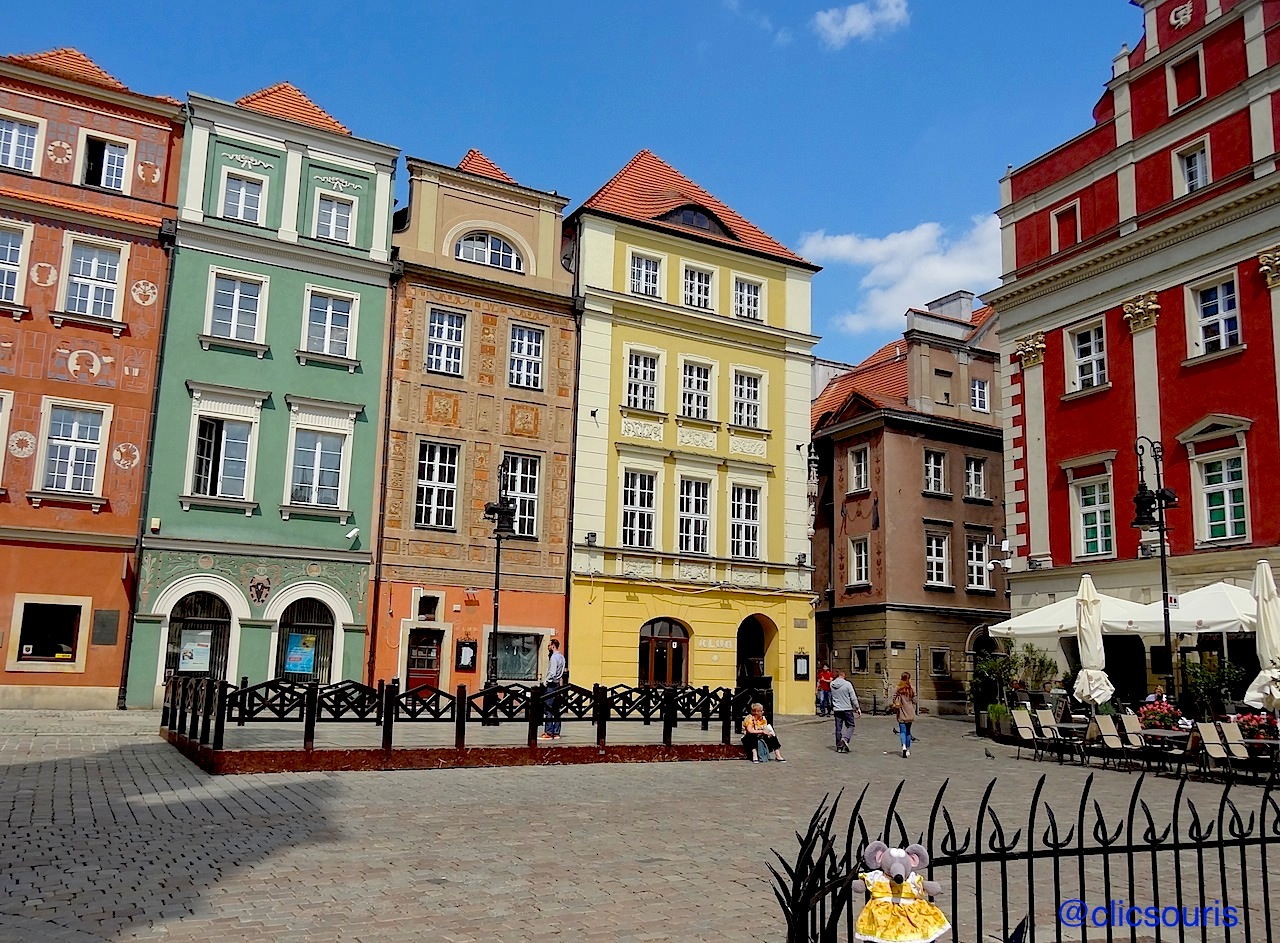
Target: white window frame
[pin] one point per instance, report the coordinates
(746, 532)
(639, 525)
(1096, 360)
(859, 563)
(859, 462)
(38, 154)
(47, 405)
(227, 172)
(350, 200)
(641, 385)
(82, 153)
(976, 554)
(528, 501)
(690, 396)
(26, 233)
(975, 476)
(353, 324)
(322, 417)
(739, 309)
(1202, 491)
(436, 486)
(6, 410)
(659, 260)
(693, 526)
(935, 473)
(1198, 54)
(446, 345)
(264, 283)
(690, 278)
(1078, 523)
(1054, 246)
(532, 368)
(743, 406)
(937, 558)
(69, 242)
(1179, 155)
(491, 253)
(979, 395)
(1196, 346)
(209, 401)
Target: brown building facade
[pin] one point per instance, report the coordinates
(909, 518)
(482, 373)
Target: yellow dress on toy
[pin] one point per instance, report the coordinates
(901, 915)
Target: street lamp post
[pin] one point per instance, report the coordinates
(503, 514)
(1149, 514)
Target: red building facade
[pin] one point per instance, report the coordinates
(88, 178)
(1139, 302)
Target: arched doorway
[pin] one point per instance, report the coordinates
(199, 636)
(664, 653)
(304, 644)
(753, 642)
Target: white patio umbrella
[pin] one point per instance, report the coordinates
(1216, 609)
(1265, 690)
(1092, 684)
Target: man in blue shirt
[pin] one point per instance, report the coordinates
(555, 674)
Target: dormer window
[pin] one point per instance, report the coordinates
(488, 249)
(695, 217)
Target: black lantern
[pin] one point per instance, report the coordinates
(503, 514)
(1149, 515)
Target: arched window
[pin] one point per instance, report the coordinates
(199, 637)
(664, 653)
(488, 249)
(304, 646)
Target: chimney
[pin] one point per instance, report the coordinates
(958, 305)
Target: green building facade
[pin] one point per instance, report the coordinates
(256, 553)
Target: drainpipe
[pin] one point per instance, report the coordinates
(579, 306)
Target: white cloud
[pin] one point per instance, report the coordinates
(781, 36)
(907, 269)
(838, 26)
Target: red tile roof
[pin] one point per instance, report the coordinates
(284, 100)
(48, 199)
(648, 188)
(69, 63)
(476, 163)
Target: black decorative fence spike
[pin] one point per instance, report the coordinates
(1157, 870)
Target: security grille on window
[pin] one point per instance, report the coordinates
(329, 325)
(859, 561)
(1219, 319)
(1195, 168)
(859, 470)
(444, 342)
(1222, 484)
(936, 549)
(222, 458)
(695, 515)
(978, 398)
(10, 256)
(317, 468)
(935, 471)
(976, 560)
(1091, 357)
(697, 288)
(73, 446)
(104, 164)
(975, 477)
(488, 249)
(1096, 536)
(644, 276)
(18, 144)
(526, 357)
(333, 219)
(642, 381)
(520, 484)
(91, 284)
(235, 308)
(243, 200)
(746, 300)
(745, 521)
(695, 391)
(746, 400)
(638, 492)
(437, 491)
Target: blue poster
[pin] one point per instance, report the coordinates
(300, 656)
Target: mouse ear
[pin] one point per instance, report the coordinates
(875, 851)
(919, 856)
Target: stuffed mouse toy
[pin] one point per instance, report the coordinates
(899, 910)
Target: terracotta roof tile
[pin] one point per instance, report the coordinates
(648, 188)
(95, 209)
(981, 316)
(476, 163)
(285, 100)
(71, 64)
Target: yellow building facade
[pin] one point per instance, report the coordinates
(691, 526)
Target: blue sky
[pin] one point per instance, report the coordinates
(868, 136)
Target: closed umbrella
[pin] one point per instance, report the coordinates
(1265, 690)
(1092, 684)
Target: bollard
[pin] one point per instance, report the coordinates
(726, 717)
(310, 705)
(244, 702)
(668, 715)
(220, 718)
(377, 722)
(706, 707)
(206, 708)
(460, 718)
(392, 695)
(534, 709)
(603, 705)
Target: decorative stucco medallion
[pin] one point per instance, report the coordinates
(313, 569)
(144, 292)
(1180, 16)
(206, 561)
(126, 455)
(148, 172)
(59, 152)
(259, 589)
(44, 274)
(22, 444)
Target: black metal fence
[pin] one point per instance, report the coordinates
(1174, 873)
(200, 708)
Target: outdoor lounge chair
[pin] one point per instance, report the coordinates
(1053, 737)
(1108, 744)
(1131, 733)
(1213, 753)
(1027, 735)
(1239, 750)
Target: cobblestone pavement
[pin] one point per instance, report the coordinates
(111, 835)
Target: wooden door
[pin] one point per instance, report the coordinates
(424, 657)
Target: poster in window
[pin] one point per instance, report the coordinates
(300, 656)
(466, 655)
(193, 654)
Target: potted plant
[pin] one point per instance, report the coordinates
(1035, 666)
(1208, 687)
(1000, 718)
(1160, 715)
(1258, 726)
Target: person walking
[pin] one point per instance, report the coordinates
(904, 708)
(824, 691)
(555, 673)
(845, 707)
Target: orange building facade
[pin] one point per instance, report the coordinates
(88, 182)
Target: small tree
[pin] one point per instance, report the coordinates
(1209, 687)
(1035, 666)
